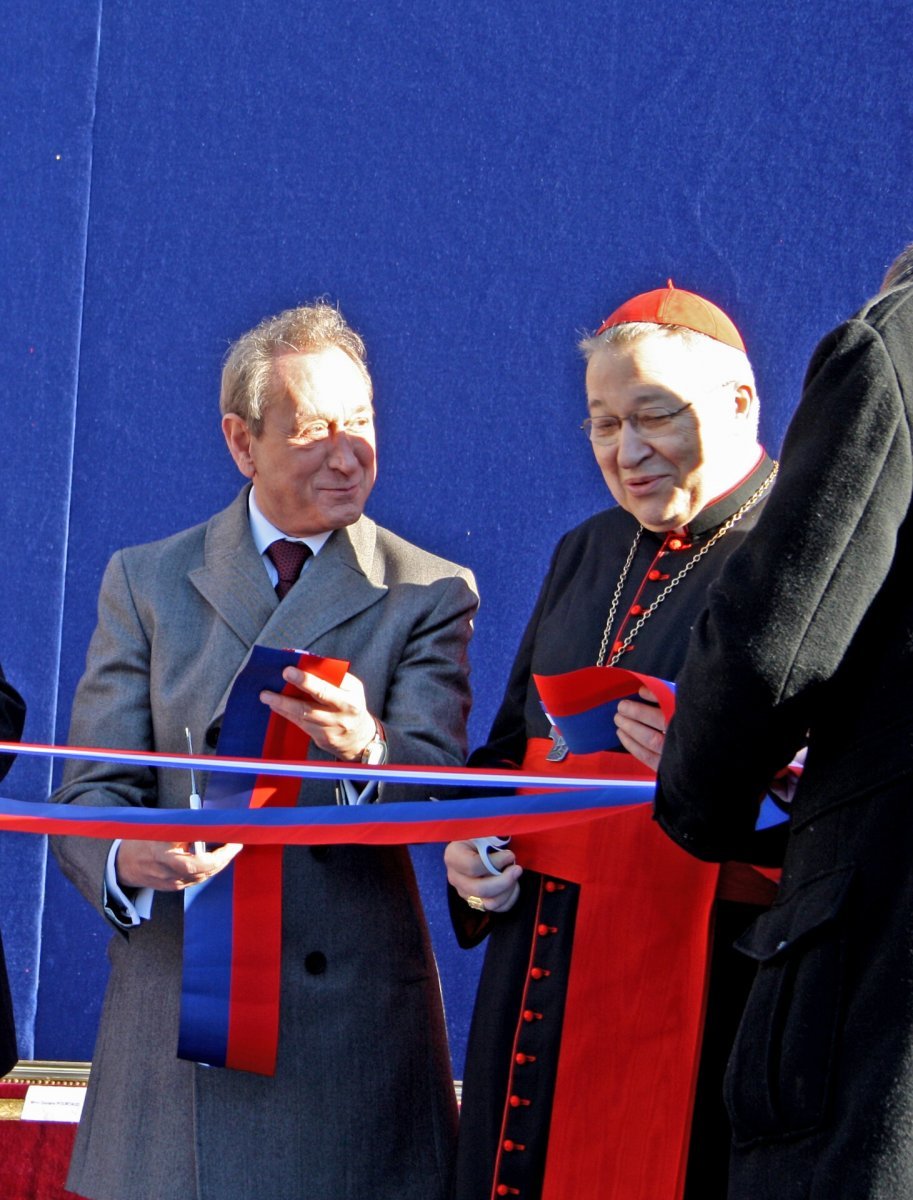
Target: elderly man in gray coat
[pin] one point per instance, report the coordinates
(361, 1103)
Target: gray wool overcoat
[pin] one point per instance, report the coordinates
(362, 1102)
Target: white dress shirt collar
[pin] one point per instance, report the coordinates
(264, 533)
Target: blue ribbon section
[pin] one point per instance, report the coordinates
(206, 980)
(771, 814)
(245, 723)
(591, 731)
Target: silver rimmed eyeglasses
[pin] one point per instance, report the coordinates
(646, 423)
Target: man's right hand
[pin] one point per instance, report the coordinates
(168, 866)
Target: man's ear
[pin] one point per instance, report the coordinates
(745, 400)
(239, 438)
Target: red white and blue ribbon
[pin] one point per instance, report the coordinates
(230, 1010)
(398, 824)
(230, 1001)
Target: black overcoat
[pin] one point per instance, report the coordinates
(810, 631)
(12, 718)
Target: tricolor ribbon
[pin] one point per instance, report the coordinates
(398, 824)
(445, 776)
(232, 929)
(230, 1008)
(645, 969)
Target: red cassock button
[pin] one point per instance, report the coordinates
(510, 1146)
(636, 610)
(519, 1102)
(545, 930)
(654, 575)
(503, 1190)
(552, 885)
(539, 973)
(530, 1015)
(522, 1059)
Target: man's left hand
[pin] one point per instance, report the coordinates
(642, 728)
(466, 873)
(336, 718)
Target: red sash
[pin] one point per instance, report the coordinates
(636, 996)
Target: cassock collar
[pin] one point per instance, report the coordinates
(721, 509)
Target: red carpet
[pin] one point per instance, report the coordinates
(34, 1155)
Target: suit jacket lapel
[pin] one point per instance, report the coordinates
(232, 578)
(336, 585)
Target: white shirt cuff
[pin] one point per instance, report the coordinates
(124, 912)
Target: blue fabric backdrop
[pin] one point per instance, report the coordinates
(474, 184)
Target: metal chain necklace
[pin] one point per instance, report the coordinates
(674, 582)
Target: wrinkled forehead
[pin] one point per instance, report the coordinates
(658, 368)
(322, 383)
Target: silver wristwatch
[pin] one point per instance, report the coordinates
(375, 753)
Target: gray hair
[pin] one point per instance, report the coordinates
(308, 329)
(900, 271)
(730, 362)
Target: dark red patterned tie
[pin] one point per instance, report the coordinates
(288, 558)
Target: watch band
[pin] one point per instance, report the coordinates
(375, 753)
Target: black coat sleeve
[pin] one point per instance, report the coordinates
(12, 719)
